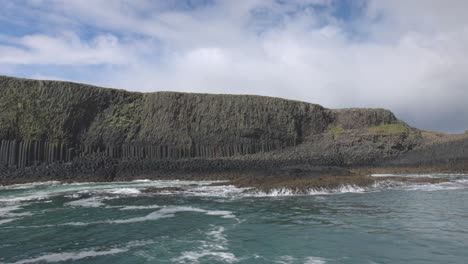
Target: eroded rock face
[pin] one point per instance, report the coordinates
(68, 128)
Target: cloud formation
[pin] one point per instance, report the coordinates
(407, 56)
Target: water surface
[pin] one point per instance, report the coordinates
(120, 223)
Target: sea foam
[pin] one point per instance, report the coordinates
(170, 211)
(87, 253)
(214, 247)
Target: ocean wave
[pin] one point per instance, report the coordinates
(71, 256)
(45, 190)
(152, 216)
(420, 175)
(142, 180)
(141, 207)
(290, 259)
(223, 214)
(434, 187)
(8, 220)
(125, 191)
(278, 192)
(8, 211)
(27, 197)
(315, 260)
(88, 202)
(214, 247)
(114, 190)
(170, 211)
(28, 185)
(87, 253)
(195, 256)
(215, 191)
(164, 212)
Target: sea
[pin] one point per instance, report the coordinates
(120, 222)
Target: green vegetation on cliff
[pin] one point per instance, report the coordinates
(335, 130)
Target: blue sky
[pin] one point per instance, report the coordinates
(409, 56)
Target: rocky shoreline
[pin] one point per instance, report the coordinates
(296, 178)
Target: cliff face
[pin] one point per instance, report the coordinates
(51, 122)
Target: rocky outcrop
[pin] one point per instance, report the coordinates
(62, 128)
(356, 118)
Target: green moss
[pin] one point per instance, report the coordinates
(412, 135)
(122, 118)
(124, 115)
(389, 130)
(335, 131)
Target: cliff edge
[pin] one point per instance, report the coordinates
(68, 129)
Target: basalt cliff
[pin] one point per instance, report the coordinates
(62, 130)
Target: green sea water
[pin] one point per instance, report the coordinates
(120, 223)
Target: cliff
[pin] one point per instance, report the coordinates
(68, 128)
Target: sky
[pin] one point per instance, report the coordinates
(409, 56)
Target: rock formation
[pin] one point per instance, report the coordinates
(63, 128)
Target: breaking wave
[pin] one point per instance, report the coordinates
(320, 191)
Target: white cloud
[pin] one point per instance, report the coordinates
(409, 56)
(66, 48)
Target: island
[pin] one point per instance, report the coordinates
(55, 130)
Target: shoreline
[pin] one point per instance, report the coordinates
(324, 178)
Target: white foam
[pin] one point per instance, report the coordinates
(434, 187)
(26, 197)
(279, 192)
(215, 191)
(170, 211)
(143, 180)
(73, 195)
(348, 189)
(76, 224)
(285, 260)
(4, 221)
(462, 181)
(165, 212)
(194, 257)
(88, 202)
(29, 185)
(216, 234)
(29, 191)
(420, 175)
(7, 211)
(150, 217)
(383, 175)
(315, 260)
(214, 247)
(125, 191)
(142, 207)
(224, 214)
(70, 256)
